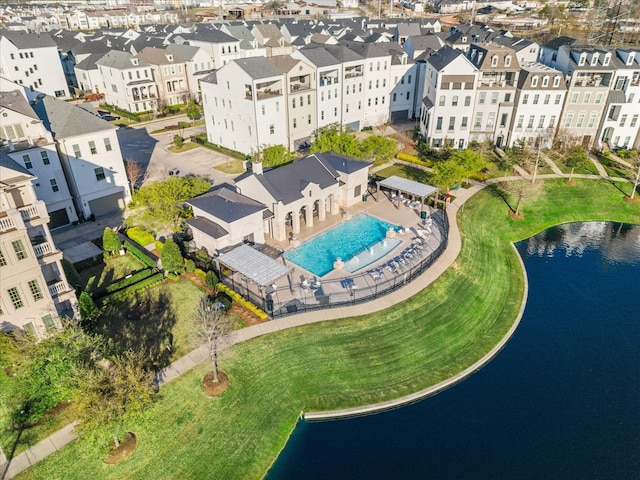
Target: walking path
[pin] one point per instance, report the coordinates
(601, 171)
(552, 165)
(66, 435)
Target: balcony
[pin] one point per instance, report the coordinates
(8, 223)
(47, 252)
(34, 212)
(57, 288)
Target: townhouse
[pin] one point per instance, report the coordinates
(538, 105)
(24, 138)
(31, 60)
(34, 292)
(127, 82)
(197, 65)
(169, 74)
(220, 46)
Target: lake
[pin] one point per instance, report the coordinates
(560, 401)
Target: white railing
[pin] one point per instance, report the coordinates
(43, 249)
(7, 223)
(30, 212)
(58, 288)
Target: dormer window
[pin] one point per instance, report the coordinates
(545, 81)
(594, 59)
(583, 59)
(464, 39)
(631, 58)
(507, 61)
(170, 58)
(607, 60)
(494, 61)
(534, 81)
(556, 81)
(135, 61)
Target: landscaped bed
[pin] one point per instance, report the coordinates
(347, 362)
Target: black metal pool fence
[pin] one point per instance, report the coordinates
(366, 289)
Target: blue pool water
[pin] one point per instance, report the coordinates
(363, 237)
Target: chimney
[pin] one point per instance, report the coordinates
(256, 167)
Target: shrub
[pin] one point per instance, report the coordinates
(73, 277)
(88, 309)
(200, 273)
(201, 138)
(405, 157)
(110, 241)
(241, 301)
(189, 265)
(172, 260)
(140, 236)
(211, 279)
(139, 254)
(159, 245)
(130, 290)
(225, 300)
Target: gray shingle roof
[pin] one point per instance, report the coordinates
(14, 100)
(120, 60)
(64, 119)
(22, 39)
(7, 162)
(258, 67)
(444, 56)
(89, 63)
(341, 163)
(184, 52)
(207, 226)
(226, 204)
(319, 56)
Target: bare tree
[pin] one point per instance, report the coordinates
(521, 190)
(634, 159)
(135, 172)
(214, 325)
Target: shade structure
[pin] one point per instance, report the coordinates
(256, 266)
(411, 187)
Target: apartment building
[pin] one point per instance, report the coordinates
(31, 60)
(34, 292)
(450, 99)
(245, 105)
(499, 69)
(352, 93)
(538, 105)
(127, 82)
(589, 74)
(169, 73)
(197, 65)
(220, 46)
(24, 138)
(620, 126)
(90, 155)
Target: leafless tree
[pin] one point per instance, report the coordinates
(522, 190)
(214, 326)
(135, 172)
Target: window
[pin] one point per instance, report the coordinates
(491, 119)
(494, 61)
(623, 120)
(45, 157)
(507, 61)
(586, 98)
(34, 287)
(531, 120)
(370, 84)
(99, 172)
(452, 123)
(295, 123)
(454, 101)
(541, 121)
(482, 98)
(409, 79)
(507, 97)
(393, 97)
(335, 111)
(547, 97)
(520, 121)
(536, 99)
(368, 102)
(264, 110)
(525, 99)
(293, 103)
(580, 120)
(574, 98)
(634, 120)
(552, 121)
(545, 81)
(272, 129)
(464, 122)
(27, 161)
(534, 81)
(441, 101)
(408, 96)
(19, 249)
(76, 151)
(54, 185)
(478, 121)
(598, 98)
(48, 322)
(16, 300)
(309, 117)
(107, 144)
(302, 100)
(377, 83)
(592, 119)
(92, 147)
(494, 98)
(556, 81)
(439, 123)
(503, 119)
(3, 261)
(467, 100)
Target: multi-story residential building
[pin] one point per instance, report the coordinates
(87, 73)
(538, 105)
(25, 139)
(34, 292)
(31, 60)
(300, 96)
(620, 126)
(220, 46)
(450, 97)
(353, 89)
(127, 82)
(496, 90)
(197, 65)
(404, 87)
(90, 155)
(589, 75)
(169, 73)
(245, 105)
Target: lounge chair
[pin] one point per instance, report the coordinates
(374, 274)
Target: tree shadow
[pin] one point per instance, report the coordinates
(11, 455)
(498, 192)
(138, 145)
(142, 323)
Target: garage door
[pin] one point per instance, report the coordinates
(58, 218)
(109, 204)
(399, 115)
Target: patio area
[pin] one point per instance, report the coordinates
(422, 240)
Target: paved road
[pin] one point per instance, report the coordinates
(150, 150)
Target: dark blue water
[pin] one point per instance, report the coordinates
(560, 401)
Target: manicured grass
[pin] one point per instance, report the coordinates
(231, 166)
(184, 148)
(347, 362)
(112, 269)
(405, 171)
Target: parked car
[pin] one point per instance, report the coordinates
(110, 118)
(102, 113)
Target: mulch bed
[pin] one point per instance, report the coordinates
(632, 201)
(513, 215)
(122, 451)
(215, 389)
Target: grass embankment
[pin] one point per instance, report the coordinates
(348, 362)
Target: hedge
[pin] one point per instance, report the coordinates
(159, 245)
(221, 287)
(131, 289)
(123, 282)
(140, 236)
(201, 138)
(200, 273)
(405, 157)
(139, 254)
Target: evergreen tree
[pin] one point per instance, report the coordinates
(172, 260)
(88, 309)
(110, 241)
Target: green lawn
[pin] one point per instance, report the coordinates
(231, 166)
(353, 361)
(110, 270)
(406, 171)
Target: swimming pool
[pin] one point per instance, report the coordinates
(358, 242)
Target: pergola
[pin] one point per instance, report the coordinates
(409, 187)
(253, 265)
